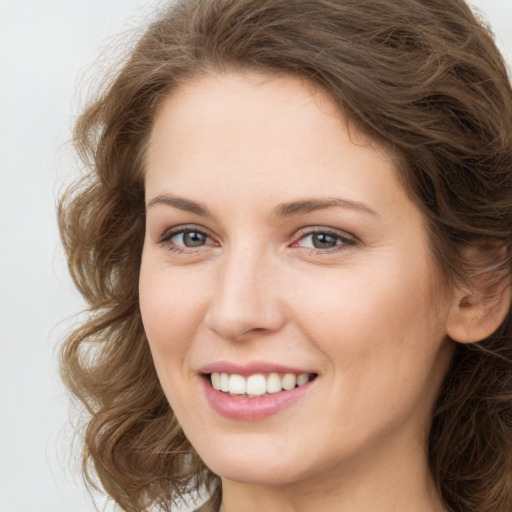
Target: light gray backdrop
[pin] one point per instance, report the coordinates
(45, 46)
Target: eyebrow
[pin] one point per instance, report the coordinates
(309, 205)
(181, 203)
(300, 207)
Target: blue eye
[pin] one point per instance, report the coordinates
(183, 239)
(323, 240)
(189, 238)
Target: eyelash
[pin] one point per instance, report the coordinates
(342, 238)
(166, 239)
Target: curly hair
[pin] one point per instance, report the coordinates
(423, 78)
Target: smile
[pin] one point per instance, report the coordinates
(258, 384)
(254, 392)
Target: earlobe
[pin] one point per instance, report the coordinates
(476, 313)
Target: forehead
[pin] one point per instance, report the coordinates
(257, 99)
(259, 122)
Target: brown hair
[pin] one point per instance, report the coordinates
(423, 78)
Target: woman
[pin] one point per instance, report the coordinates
(294, 236)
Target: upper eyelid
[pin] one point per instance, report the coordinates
(166, 242)
(169, 233)
(301, 233)
(298, 234)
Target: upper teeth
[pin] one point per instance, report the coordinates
(257, 384)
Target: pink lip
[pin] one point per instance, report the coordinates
(249, 369)
(250, 409)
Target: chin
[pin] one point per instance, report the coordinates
(256, 472)
(258, 462)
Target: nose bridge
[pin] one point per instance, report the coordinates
(244, 299)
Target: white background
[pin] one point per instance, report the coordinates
(45, 47)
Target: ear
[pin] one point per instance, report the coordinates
(479, 307)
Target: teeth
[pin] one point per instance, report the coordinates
(289, 381)
(302, 379)
(273, 383)
(216, 381)
(257, 384)
(237, 384)
(224, 382)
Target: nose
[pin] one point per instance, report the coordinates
(245, 300)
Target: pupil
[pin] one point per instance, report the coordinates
(193, 239)
(324, 241)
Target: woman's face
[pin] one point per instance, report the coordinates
(279, 241)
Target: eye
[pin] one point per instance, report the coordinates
(324, 239)
(189, 238)
(183, 239)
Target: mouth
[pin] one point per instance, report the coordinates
(258, 384)
(256, 390)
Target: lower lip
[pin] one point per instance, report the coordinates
(243, 408)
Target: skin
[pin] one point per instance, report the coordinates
(365, 314)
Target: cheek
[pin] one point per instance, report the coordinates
(171, 311)
(363, 300)
(172, 306)
(386, 353)
(383, 321)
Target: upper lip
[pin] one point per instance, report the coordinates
(250, 368)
